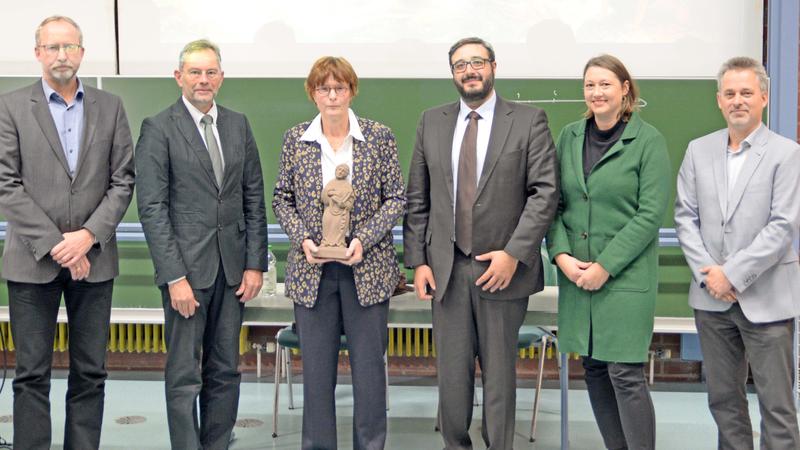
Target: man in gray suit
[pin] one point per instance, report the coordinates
(482, 191)
(737, 214)
(201, 203)
(66, 179)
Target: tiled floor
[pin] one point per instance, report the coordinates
(683, 419)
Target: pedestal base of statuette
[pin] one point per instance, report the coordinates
(332, 253)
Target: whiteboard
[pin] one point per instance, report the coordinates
(21, 17)
(410, 38)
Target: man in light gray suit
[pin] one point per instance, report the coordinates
(66, 179)
(201, 203)
(482, 192)
(737, 214)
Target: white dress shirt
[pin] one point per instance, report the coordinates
(331, 158)
(486, 111)
(197, 115)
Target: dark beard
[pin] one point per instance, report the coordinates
(469, 97)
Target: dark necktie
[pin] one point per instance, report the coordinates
(213, 148)
(467, 184)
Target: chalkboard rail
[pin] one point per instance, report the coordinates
(132, 232)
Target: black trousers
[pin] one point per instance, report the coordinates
(337, 310)
(203, 361)
(621, 403)
(34, 309)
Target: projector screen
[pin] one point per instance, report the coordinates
(410, 38)
(396, 38)
(21, 17)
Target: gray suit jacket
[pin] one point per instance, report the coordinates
(514, 205)
(190, 223)
(39, 198)
(748, 231)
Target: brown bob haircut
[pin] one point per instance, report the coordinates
(331, 65)
(630, 101)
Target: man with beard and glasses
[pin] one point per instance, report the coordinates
(66, 179)
(482, 191)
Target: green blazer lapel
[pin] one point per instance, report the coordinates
(185, 124)
(447, 127)
(501, 125)
(41, 111)
(90, 115)
(576, 154)
(719, 167)
(748, 168)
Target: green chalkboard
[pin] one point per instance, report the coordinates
(680, 109)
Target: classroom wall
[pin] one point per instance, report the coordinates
(399, 49)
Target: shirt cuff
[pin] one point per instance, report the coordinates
(170, 283)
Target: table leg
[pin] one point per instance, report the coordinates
(564, 382)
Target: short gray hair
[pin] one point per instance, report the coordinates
(744, 63)
(198, 46)
(58, 19)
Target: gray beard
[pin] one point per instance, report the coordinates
(62, 77)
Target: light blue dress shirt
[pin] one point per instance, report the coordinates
(69, 122)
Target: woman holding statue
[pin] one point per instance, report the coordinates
(338, 194)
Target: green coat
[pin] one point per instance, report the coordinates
(612, 218)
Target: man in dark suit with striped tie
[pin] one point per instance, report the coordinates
(201, 204)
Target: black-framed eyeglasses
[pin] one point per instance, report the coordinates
(475, 63)
(326, 90)
(53, 49)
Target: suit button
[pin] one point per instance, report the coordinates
(219, 227)
(452, 238)
(585, 197)
(584, 235)
(477, 204)
(73, 191)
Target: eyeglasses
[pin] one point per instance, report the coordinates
(326, 90)
(211, 74)
(53, 49)
(475, 63)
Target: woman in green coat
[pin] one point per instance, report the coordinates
(615, 186)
